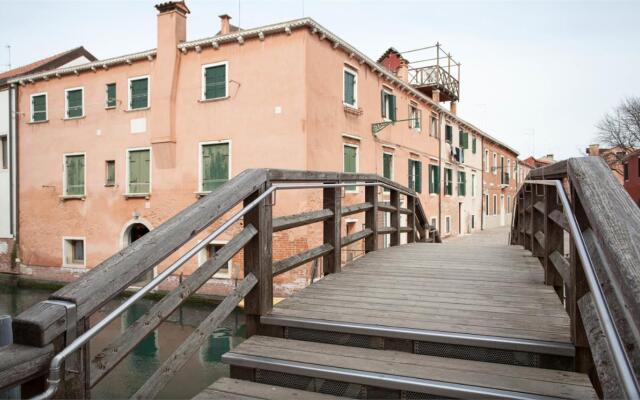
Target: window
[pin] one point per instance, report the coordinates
(350, 162)
(387, 167)
(214, 165)
(509, 204)
(350, 87)
(507, 172)
(486, 204)
(448, 134)
(462, 183)
(434, 127)
(626, 171)
(434, 222)
(502, 171)
(434, 179)
(495, 204)
(388, 103)
(138, 93)
(110, 173)
(473, 221)
(495, 164)
(111, 95)
(447, 225)
(473, 185)
(463, 139)
(211, 250)
(73, 252)
(214, 81)
(74, 103)
(415, 175)
(415, 115)
(74, 175)
(448, 181)
(4, 152)
(486, 161)
(38, 107)
(474, 145)
(139, 171)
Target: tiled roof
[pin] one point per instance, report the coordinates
(51, 62)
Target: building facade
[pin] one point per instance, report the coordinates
(128, 142)
(500, 184)
(631, 175)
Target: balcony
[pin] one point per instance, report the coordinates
(435, 69)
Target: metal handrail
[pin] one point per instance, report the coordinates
(621, 361)
(53, 381)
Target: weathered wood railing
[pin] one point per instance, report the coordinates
(48, 330)
(598, 276)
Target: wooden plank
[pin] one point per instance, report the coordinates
(19, 363)
(556, 170)
(305, 218)
(395, 218)
(386, 207)
(385, 230)
(196, 339)
(356, 208)
(560, 264)
(557, 216)
(354, 237)
(331, 230)
(290, 263)
(411, 220)
(539, 206)
(407, 229)
(540, 238)
(371, 219)
(118, 349)
(253, 390)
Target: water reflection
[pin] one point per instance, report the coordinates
(199, 372)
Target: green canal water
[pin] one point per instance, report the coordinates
(202, 370)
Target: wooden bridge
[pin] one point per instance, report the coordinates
(549, 308)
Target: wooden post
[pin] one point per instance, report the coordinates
(395, 217)
(371, 218)
(537, 222)
(258, 261)
(526, 221)
(554, 239)
(522, 223)
(411, 219)
(332, 200)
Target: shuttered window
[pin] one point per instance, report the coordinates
(215, 82)
(464, 139)
(387, 167)
(415, 118)
(138, 93)
(111, 95)
(110, 173)
(434, 179)
(448, 181)
(349, 96)
(215, 165)
(388, 104)
(415, 175)
(350, 162)
(74, 103)
(448, 134)
(39, 108)
(462, 184)
(139, 171)
(74, 175)
(473, 145)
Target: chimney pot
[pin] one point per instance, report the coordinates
(594, 150)
(225, 24)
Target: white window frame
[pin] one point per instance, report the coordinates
(434, 222)
(509, 170)
(393, 161)
(486, 161)
(46, 106)
(66, 103)
(414, 106)
(433, 126)
(136, 78)
(202, 258)
(473, 185)
(447, 225)
(353, 72)
(495, 163)
(64, 263)
(356, 190)
(387, 106)
(200, 146)
(203, 86)
(126, 189)
(64, 174)
(106, 95)
(495, 204)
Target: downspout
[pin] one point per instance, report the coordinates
(13, 176)
(484, 168)
(440, 171)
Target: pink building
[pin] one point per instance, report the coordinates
(127, 142)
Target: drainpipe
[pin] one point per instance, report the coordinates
(13, 176)
(482, 210)
(440, 171)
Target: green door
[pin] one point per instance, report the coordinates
(75, 175)
(215, 165)
(139, 171)
(350, 154)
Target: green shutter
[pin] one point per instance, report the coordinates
(74, 103)
(387, 160)
(111, 95)
(75, 175)
(448, 178)
(448, 134)
(410, 175)
(215, 165)
(139, 93)
(418, 175)
(215, 80)
(349, 88)
(462, 184)
(139, 171)
(383, 109)
(350, 162)
(39, 107)
(473, 145)
(419, 119)
(392, 107)
(434, 179)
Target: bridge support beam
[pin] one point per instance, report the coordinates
(332, 200)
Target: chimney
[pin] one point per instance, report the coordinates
(435, 95)
(454, 107)
(593, 150)
(225, 24)
(403, 70)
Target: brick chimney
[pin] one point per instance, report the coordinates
(435, 95)
(225, 24)
(593, 150)
(454, 107)
(403, 70)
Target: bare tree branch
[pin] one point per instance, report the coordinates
(621, 127)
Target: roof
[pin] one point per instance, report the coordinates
(48, 63)
(241, 35)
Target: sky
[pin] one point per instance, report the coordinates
(537, 75)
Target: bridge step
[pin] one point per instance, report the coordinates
(235, 389)
(496, 349)
(369, 373)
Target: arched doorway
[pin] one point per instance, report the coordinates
(134, 231)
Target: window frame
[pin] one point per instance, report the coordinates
(200, 164)
(486, 161)
(137, 78)
(473, 185)
(72, 265)
(127, 176)
(386, 116)
(4, 152)
(462, 183)
(447, 225)
(413, 107)
(64, 174)
(433, 127)
(106, 92)
(392, 167)
(495, 204)
(448, 184)
(495, 163)
(436, 183)
(106, 173)
(350, 70)
(66, 103)
(416, 165)
(357, 147)
(203, 257)
(46, 107)
(203, 83)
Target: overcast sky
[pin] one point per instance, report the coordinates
(532, 71)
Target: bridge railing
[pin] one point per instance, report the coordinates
(54, 336)
(579, 203)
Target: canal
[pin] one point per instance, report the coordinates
(202, 370)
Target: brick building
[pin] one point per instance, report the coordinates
(631, 175)
(500, 184)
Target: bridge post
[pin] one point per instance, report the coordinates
(332, 200)
(395, 217)
(538, 223)
(554, 239)
(371, 218)
(411, 219)
(258, 261)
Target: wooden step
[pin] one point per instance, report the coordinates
(384, 373)
(236, 389)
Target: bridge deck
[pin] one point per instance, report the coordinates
(474, 285)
